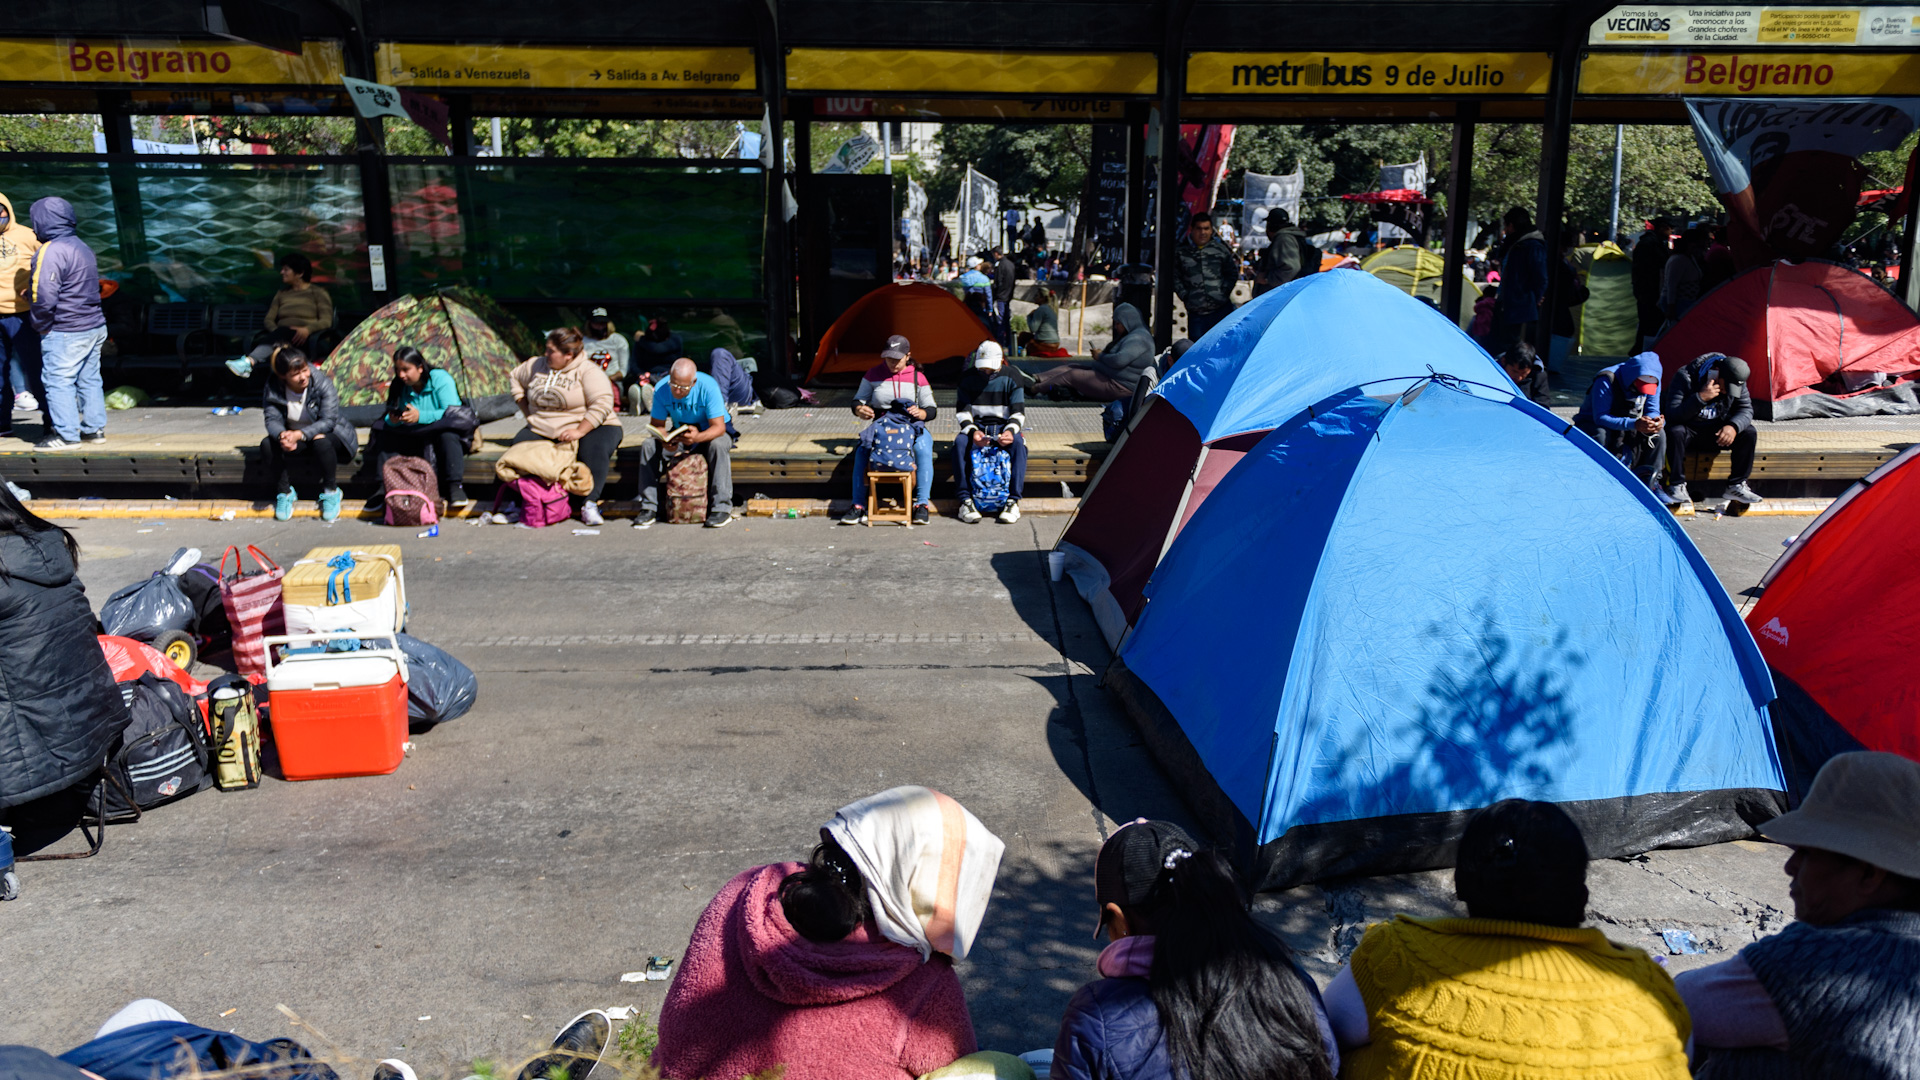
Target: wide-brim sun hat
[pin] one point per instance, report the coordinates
(1865, 805)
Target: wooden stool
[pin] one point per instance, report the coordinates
(905, 514)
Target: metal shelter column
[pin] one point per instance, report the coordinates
(1136, 218)
(1459, 193)
(370, 146)
(771, 63)
(1555, 145)
(1173, 83)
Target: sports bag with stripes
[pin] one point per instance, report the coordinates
(161, 756)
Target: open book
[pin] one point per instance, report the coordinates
(670, 434)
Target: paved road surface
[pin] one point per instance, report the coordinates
(604, 788)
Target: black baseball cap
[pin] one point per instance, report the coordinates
(897, 348)
(1735, 369)
(1132, 859)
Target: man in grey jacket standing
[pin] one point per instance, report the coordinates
(66, 314)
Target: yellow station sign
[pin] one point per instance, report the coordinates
(1784, 74)
(163, 61)
(1320, 73)
(585, 67)
(965, 71)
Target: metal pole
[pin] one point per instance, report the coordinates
(1173, 78)
(1619, 154)
(772, 74)
(886, 149)
(1459, 193)
(1555, 146)
(496, 136)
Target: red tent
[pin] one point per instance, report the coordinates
(1838, 630)
(1822, 340)
(939, 326)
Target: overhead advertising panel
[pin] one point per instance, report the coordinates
(582, 67)
(1320, 73)
(1816, 27)
(970, 71)
(1718, 74)
(164, 61)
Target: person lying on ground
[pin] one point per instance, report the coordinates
(897, 389)
(1191, 985)
(569, 400)
(840, 968)
(299, 311)
(991, 411)
(736, 386)
(1622, 413)
(415, 423)
(1708, 409)
(1528, 372)
(1519, 988)
(693, 399)
(151, 1040)
(302, 411)
(1836, 993)
(1114, 373)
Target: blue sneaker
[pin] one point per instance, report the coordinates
(241, 366)
(330, 505)
(283, 506)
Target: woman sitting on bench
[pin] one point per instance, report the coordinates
(304, 420)
(416, 418)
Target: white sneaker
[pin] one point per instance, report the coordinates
(1009, 513)
(1666, 495)
(968, 512)
(590, 515)
(1678, 495)
(1741, 493)
(25, 402)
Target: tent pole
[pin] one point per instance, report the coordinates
(1186, 496)
(1459, 193)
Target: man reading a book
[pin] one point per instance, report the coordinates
(691, 417)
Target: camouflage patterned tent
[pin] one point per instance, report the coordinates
(450, 333)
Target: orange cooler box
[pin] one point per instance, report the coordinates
(337, 714)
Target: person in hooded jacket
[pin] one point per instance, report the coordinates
(301, 407)
(1709, 409)
(1191, 985)
(67, 316)
(840, 968)
(19, 345)
(59, 708)
(1114, 373)
(1523, 283)
(1622, 413)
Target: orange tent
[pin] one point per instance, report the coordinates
(939, 326)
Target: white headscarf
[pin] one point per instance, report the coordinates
(929, 866)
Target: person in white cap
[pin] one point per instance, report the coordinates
(1838, 992)
(605, 346)
(992, 409)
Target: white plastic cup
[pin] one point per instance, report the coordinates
(1056, 565)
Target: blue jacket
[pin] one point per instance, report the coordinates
(152, 1052)
(1523, 280)
(65, 275)
(736, 386)
(1610, 399)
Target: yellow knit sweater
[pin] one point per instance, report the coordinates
(1476, 999)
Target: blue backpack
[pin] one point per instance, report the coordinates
(992, 478)
(891, 448)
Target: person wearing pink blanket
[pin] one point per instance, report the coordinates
(840, 968)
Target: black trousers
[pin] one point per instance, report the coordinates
(595, 452)
(449, 450)
(327, 451)
(1704, 440)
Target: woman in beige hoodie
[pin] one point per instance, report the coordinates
(569, 400)
(19, 345)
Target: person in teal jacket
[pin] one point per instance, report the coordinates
(416, 423)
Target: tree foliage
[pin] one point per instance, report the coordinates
(1032, 163)
(50, 133)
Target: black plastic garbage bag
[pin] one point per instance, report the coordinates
(146, 609)
(439, 688)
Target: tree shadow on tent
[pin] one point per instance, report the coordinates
(1495, 723)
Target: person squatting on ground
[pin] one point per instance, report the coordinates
(693, 399)
(1207, 272)
(67, 316)
(896, 386)
(19, 344)
(59, 708)
(568, 400)
(302, 412)
(991, 409)
(1709, 409)
(1622, 413)
(1519, 989)
(1836, 993)
(300, 310)
(1528, 372)
(1114, 373)
(1191, 985)
(840, 968)
(417, 402)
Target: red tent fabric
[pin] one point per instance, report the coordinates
(1839, 631)
(939, 326)
(1802, 326)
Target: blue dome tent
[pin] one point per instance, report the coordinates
(1410, 629)
(1264, 363)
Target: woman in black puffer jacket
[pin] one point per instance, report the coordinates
(59, 707)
